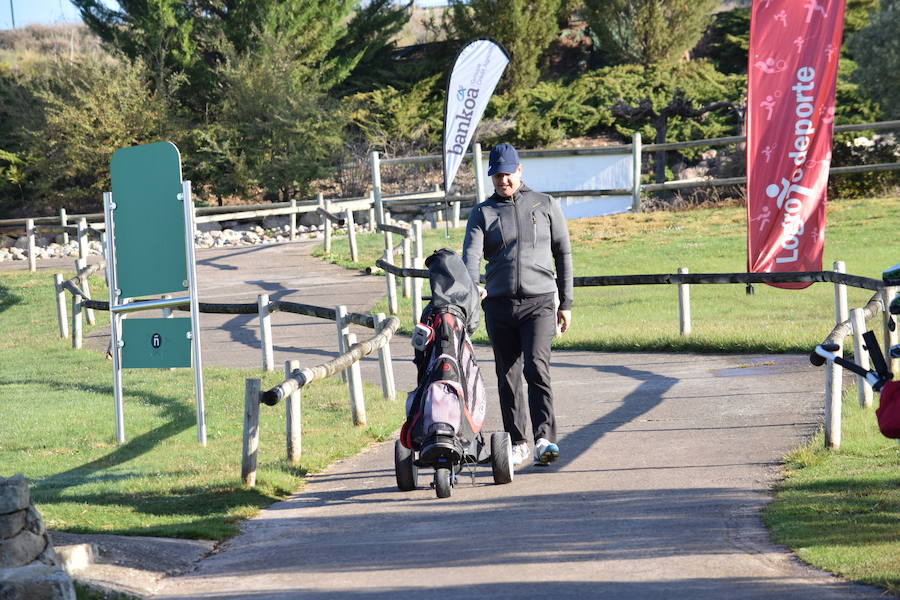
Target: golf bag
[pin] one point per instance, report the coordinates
(446, 411)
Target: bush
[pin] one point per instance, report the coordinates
(851, 149)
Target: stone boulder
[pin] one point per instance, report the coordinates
(29, 566)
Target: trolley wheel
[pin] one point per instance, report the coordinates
(404, 467)
(501, 457)
(442, 483)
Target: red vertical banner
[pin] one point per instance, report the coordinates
(794, 51)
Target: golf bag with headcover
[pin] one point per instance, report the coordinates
(446, 411)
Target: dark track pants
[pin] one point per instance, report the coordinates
(521, 330)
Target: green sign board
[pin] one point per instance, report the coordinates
(149, 220)
(156, 343)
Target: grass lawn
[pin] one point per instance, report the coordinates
(839, 510)
(57, 427)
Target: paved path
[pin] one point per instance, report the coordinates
(667, 460)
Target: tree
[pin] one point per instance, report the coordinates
(648, 31)
(526, 28)
(277, 118)
(89, 110)
(876, 50)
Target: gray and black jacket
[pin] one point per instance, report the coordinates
(525, 241)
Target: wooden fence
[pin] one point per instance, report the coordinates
(346, 363)
(846, 320)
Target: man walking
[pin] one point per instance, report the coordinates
(523, 237)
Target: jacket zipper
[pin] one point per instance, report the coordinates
(533, 231)
(519, 244)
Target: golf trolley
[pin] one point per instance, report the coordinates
(449, 456)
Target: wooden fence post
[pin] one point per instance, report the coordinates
(385, 364)
(833, 399)
(251, 431)
(861, 356)
(889, 335)
(343, 328)
(684, 305)
(373, 226)
(380, 216)
(83, 249)
(64, 222)
(80, 266)
(293, 219)
(389, 278)
(32, 245)
(354, 382)
(407, 263)
(76, 321)
(636, 171)
(265, 332)
(417, 292)
(351, 234)
(292, 423)
(327, 232)
(841, 313)
(62, 318)
(417, 235)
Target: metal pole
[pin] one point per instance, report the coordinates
(195, 308)
(115, 320)
(479, 175)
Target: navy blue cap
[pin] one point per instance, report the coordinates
(503, 159)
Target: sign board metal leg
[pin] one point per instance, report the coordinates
(114, 318)
(195, 310)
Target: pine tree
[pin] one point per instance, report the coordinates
(648, 31)
(526, 28)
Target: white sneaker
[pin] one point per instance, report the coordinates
(519, 454)
(545, 452)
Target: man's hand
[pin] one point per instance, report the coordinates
(563, 320)
(482, 292)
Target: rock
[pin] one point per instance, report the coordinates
(276, 221)
(21, 243)
(21, 549)
(207, 227)
(36, 581)
(310, 219)
(7, 241)
(75, 557)
(12, 523)
(14, 494)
